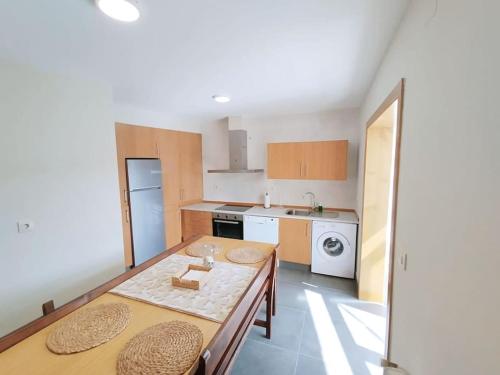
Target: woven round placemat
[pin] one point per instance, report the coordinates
(245, 255)
(89, 328)
(201, 250)
(168, 348)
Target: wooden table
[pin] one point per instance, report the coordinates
(24, 350)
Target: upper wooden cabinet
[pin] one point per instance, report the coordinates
(191, 167)
(168, 147)
(136, 141)
(295, 240)
(181, 158)
(324, 160)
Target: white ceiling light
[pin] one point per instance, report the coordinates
(221, 98)
(121, 10)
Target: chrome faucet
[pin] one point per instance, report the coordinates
(312, 197)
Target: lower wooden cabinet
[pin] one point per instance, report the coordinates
(196, 222)
(173, 227)
(295, 241)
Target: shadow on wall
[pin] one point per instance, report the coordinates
(29, 303)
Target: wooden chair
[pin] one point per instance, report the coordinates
(48, 307)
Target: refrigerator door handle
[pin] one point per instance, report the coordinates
(145, 188)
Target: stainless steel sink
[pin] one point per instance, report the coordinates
(324, 214)
(298, 212)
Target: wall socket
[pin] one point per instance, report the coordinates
(24, 226)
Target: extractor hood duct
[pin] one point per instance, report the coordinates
(238, 155)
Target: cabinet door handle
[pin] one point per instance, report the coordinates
(305, 169)
(300, 169)
(125, 196)
(127, 216)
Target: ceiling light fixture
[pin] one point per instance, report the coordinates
(121, 10)
(221, 98)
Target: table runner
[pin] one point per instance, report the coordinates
(214, 301)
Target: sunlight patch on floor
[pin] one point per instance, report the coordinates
(374, 369)
(366, 328)
(332, 352)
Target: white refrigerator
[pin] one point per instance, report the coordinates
(146, 208)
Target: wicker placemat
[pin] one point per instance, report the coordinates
(89, 328)
(245, 255)
(201, 250)
(168, 348)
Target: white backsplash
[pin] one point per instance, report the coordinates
(250, 187)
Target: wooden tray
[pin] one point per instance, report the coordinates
(178, 280)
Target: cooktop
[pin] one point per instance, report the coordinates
(228, 207)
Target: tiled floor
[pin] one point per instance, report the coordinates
(320, 328)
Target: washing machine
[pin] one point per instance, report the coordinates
(334, 248)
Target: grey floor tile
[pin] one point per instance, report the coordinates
(292, 276)
(293, 266)
(286, 329)
(312, 366)
(310, 342)
(335, 283)
(369, 307)
(305, 278)
(318, 342)
(302, 296)
(257, 358)
(306, 298)
(291, 295)
(309, 366)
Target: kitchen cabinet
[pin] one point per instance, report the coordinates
(136, 141)
(182, 176)
(190, 167)
(180, 153)
(168, 146)
(283, 160)
(295, 240)
(173, 226)
(196, 222)
(131, 142)
(324, 160)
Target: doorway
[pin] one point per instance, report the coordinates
(382, 148)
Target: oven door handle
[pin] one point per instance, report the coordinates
(227, 222)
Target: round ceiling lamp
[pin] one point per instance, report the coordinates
(221, 98)
(121, 10)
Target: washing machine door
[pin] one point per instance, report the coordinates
(334, 255)
(333, 246)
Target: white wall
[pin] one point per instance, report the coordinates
(137, 116)
(262, 130)
(446, 305)
(58, 168)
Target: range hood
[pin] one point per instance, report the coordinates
(238, 161)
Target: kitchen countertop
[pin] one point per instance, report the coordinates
(344, 216)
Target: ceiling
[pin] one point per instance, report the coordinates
(270, 56)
